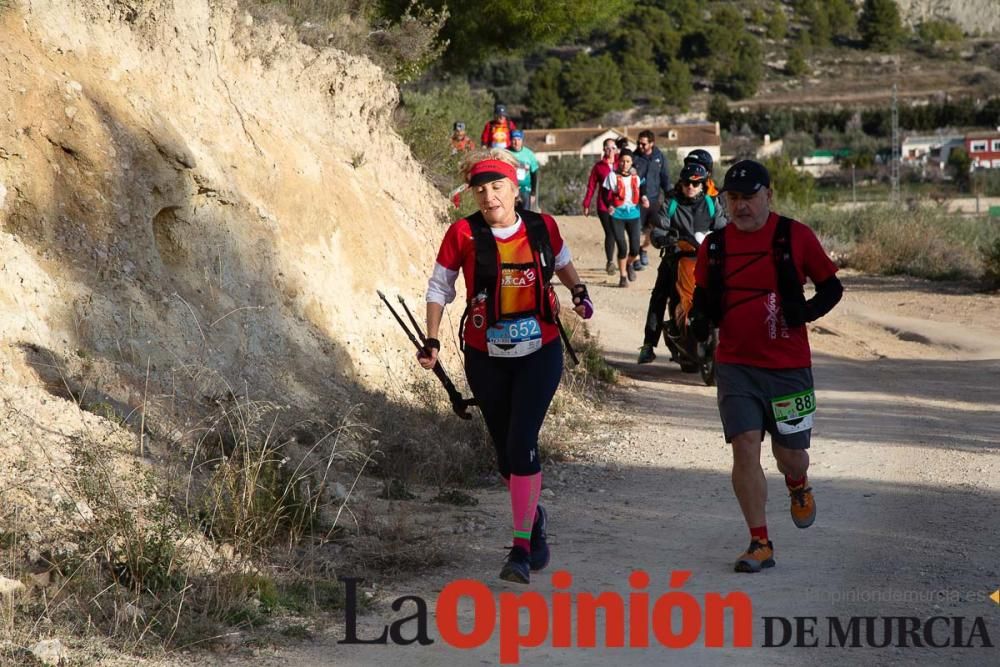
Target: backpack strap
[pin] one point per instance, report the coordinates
(716, 273)
(541, 246)
(789, 287)
(671, 208)
(487, 277)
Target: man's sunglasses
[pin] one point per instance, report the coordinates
(691, 183)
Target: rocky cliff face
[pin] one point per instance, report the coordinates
(975, 16)
(192, 204)
(184, 185)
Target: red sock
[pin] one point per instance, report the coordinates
(789, 482)
(759, 533)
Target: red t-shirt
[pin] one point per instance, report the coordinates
(753, 331)
(517, 284)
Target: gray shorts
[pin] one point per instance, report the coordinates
(745, 394)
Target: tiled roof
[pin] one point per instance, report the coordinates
(566, 140)
(574, 138)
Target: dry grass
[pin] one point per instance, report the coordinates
(213, 538)
(919, 241)
(196, 536)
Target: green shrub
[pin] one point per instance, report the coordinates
(939, 30)
(991, 263)
(790, 184)
(796, 64)
(562, 183)
(425, 122)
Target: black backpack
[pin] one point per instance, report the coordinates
(789, 287)
(487, 276)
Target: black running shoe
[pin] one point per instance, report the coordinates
(646, 354)
(518, 566)
(539, 547)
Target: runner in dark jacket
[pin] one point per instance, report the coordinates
(690, 219)
(651, 165)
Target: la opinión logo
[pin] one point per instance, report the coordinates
(567, 620)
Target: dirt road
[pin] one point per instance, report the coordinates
(905, 468)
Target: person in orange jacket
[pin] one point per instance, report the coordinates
(460, 141)
(496, 132)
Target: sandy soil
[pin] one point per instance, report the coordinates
(905, 468)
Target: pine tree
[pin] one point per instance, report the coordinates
(591, 86)
(677, 87)
(747, 68)
(547, 107)
(880, 25)
(819, 21)
(843, 17)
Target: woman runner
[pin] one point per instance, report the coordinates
(513, 355)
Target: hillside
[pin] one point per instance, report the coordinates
(195, 213)
(975, 16)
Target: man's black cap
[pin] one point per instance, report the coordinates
(746, 177)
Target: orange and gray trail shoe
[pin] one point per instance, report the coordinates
(803, 505)
(758, 556)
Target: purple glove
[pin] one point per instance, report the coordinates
(582, 298)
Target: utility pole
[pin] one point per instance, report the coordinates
(894, 158)
(854, 186)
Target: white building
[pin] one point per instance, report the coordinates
(921, 150)
(588, 141)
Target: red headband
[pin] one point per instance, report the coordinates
(498, 167)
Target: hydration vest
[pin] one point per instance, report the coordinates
(619, 193)
(487, 275)
(672, 207)
(789, 288)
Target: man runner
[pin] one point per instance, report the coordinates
(749, 279)
(654, 175)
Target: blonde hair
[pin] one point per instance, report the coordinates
(481, 154)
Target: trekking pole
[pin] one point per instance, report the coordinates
(413, 320)
(458, 404)
(569, 345)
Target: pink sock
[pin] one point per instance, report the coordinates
(524, 493)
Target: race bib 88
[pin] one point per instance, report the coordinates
(793, 413)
